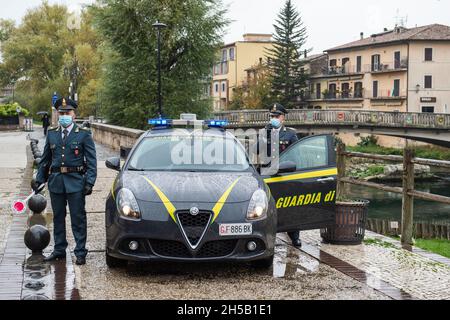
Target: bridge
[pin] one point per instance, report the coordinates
(425, 127)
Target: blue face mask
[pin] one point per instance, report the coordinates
(65, 121)
(276, 123)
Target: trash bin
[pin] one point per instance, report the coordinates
(350, 224)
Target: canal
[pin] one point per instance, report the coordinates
(388, 206)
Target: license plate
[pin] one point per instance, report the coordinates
(238, 229)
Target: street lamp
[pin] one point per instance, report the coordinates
(159, 26)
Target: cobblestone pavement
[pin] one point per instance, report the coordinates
(416, 274)
(13, 160)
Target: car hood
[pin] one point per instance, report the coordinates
(198, 187)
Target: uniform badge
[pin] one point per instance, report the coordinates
(274, 107)
(77, 152)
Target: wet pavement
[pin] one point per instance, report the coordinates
(316, 272)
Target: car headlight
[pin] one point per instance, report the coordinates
(127, 204)
(257, 208)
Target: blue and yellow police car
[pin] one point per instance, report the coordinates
(188, 192)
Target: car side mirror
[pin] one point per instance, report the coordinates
(287, 167)
(113, 163)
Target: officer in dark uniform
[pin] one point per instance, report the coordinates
(287, 137)
(69, 164)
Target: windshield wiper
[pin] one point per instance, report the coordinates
(134, 169)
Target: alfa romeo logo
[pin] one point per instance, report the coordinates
(194, 211)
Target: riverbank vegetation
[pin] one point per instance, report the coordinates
(370, 145)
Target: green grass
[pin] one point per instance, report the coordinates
(421, 152)
(441, 247)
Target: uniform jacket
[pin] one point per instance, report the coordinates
(78, 150)
(287, 137)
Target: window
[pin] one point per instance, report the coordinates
(345, 65)
(375, 89)
(217, 69)
(358, 64)
(224, 55)
(396, 92)
(224, 67)
(376, 62)
(345, 90)
(232, 54)
(428, 109)
(428, 54)
(318, 91)
(333, 63)
(224, 87)
(308, 154)
(397, 60)
(428, 82)
(216, 88)
(332, 91)
(358, 90)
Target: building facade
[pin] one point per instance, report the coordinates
(404, 70)
(231, 70)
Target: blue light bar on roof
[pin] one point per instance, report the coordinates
(160, 122)
(216, 123)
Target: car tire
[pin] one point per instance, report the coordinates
(263, 263)
(114, 263)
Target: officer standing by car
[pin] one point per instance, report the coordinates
(287, 137)
(69, 164)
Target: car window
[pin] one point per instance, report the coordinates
(188, 153)
(309, 153)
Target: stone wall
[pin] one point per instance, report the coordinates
(115, 136)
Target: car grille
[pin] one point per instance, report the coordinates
(175, 249)
(194, 227)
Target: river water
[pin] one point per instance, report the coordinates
(388, 206)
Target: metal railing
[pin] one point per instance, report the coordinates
(258, 118)
(390, 66)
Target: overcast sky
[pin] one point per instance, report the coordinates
(329, 22)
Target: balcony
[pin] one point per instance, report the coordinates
(396, 66)
(338, 71)
(389, 95)
(336, 96)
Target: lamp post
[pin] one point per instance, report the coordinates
(159, 26)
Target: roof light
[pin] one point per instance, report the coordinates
(160, 122)
(216, 123)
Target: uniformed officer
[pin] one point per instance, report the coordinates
(69, 165)
(287, 137)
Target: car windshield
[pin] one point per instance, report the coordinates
(189, 153)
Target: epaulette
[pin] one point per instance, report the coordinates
(52, 128)
(85, 129)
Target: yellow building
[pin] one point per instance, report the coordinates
(231, 71)
(402, 70)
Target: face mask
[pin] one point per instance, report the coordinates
(65, 121)
(276, 123)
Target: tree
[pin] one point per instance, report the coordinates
(189, 45)
(284, 60)
(36, 53)
(256, 93)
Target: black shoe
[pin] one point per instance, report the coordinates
(297, 243)
(55, 257)
(80, 261)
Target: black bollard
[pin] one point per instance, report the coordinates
(37, 238)
(37, 203)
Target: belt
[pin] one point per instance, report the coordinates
(69, 170)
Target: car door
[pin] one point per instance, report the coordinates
(305, 199)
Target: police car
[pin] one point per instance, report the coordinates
(170, 203)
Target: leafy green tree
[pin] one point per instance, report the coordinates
(37, 52)
(284, 59)
(189, 45)
(255, 93)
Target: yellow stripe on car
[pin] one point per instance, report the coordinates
(302, 176)
(219, 205)
(169, 206)
(112, 189)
